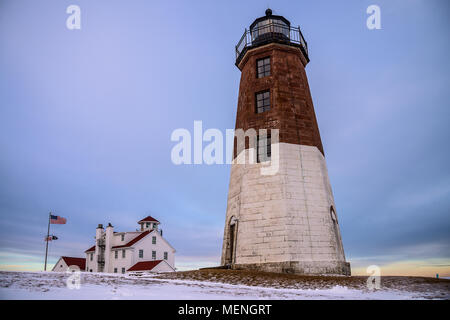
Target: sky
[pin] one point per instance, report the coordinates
(86, 118)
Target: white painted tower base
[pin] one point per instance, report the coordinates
(284, 222)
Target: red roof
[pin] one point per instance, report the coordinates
(133, 241)
(148, 219)
(145, 265)
(71, 261)
(90, 249)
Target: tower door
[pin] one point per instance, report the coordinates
(232, 233)
(231, 248)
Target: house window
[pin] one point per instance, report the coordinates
(154, 255)
(263, 101)
(122, 237)
(165, 255)
(123, 270)
(123, 253)
(153, 240)
(263, 67)
(115, 270)
(116, 254)
(264, 148)
(92, 256)
(141, 253)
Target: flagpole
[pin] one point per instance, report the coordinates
(46, 240)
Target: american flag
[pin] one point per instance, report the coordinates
(57, 220)
(50, 238)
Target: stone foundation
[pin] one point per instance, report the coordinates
(299, 267)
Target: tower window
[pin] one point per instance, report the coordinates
(116, 254)
(153, 255)
(122, 237)
(123, 253)
(165, 255)
(141, 253)
(263, 148)
(263, 67)
(153, 240)
(263, 101)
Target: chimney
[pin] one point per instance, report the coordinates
(99, 232)
(109, 234)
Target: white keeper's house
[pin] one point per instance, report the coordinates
(136, 251)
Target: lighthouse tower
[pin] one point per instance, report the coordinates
(285, 220)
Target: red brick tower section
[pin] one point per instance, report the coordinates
(291, 107)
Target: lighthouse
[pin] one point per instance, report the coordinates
(286, 220)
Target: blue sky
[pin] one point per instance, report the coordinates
(86, 117)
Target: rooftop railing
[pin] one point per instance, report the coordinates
(271, 32)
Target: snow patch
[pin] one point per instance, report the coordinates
(52, 286)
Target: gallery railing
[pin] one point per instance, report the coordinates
(271, 32)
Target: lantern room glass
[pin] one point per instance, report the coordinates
(269, 26)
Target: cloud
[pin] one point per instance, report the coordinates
(418, 198)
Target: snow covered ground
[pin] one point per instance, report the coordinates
(52, 285)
